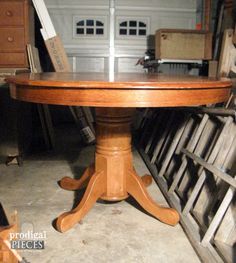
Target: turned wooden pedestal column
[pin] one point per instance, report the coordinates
(113, 177)
(113, 150)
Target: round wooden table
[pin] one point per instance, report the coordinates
(112, 176)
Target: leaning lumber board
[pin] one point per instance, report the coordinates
(227, 55)
(56, 50)
(57, 54)
(52, 40)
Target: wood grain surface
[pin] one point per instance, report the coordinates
(126, 90)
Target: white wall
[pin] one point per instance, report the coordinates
(91, 53)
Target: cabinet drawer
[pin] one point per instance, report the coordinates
(12, 39)
(13, 60)
(11, 13)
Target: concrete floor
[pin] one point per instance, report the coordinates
(115, 232)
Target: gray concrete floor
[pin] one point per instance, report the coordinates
(115, 232)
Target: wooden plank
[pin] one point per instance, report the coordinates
(35, 59)
(224, 176)
(219, 215)
(208, 46)
(172, 148)
(207, 197)
(211, 159)
(227, 231)
(192, 145)
(157, 122)
(145, 126)
(48, 30)
(202, 148)
(43, 110)
(218, 111)
(207, 254)
(227, 163)
(144, 118)
(234, 37)
(29, 53)
(207, 14)
(52, 41)
(57, 54)
(212, 69)
(167, 141)
(189, 133)
(175, 163)
(218, 31)
(49, 125)
(220, 152)
(227, 252)
(194, 193)
(43, 124)
(227, 55)
(162, 138)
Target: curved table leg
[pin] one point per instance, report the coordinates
(136, 188)
(114, 177)
(69, 183)
(146, 178)
(94, 190)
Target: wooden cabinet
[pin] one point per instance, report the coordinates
(16, 31)
(183, 44)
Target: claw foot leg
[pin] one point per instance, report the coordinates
(68, 183)
(137, 189)
(95, 189)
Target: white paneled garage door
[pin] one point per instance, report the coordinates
(122, 30)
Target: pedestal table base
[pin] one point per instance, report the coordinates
(112, 177)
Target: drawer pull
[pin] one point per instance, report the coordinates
(9, 13)
(10, 39)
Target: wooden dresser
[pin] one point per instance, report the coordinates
(16, 30)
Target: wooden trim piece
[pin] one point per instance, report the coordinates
(217, 111)
(208, 254)
(224, 176)
(218, 216)
(191, 146)
(202, 172)
(207, 14)
(48, 30)
(227, 54)
(208, 46)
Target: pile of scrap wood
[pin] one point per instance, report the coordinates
(8, 225)
(224, 55)
(58, 56)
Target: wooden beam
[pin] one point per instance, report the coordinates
(207, 14)
(48, 30)
(52, 40)
(217, 172)
(227, 55)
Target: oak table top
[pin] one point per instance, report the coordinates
(112, 176)
(126, 90)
